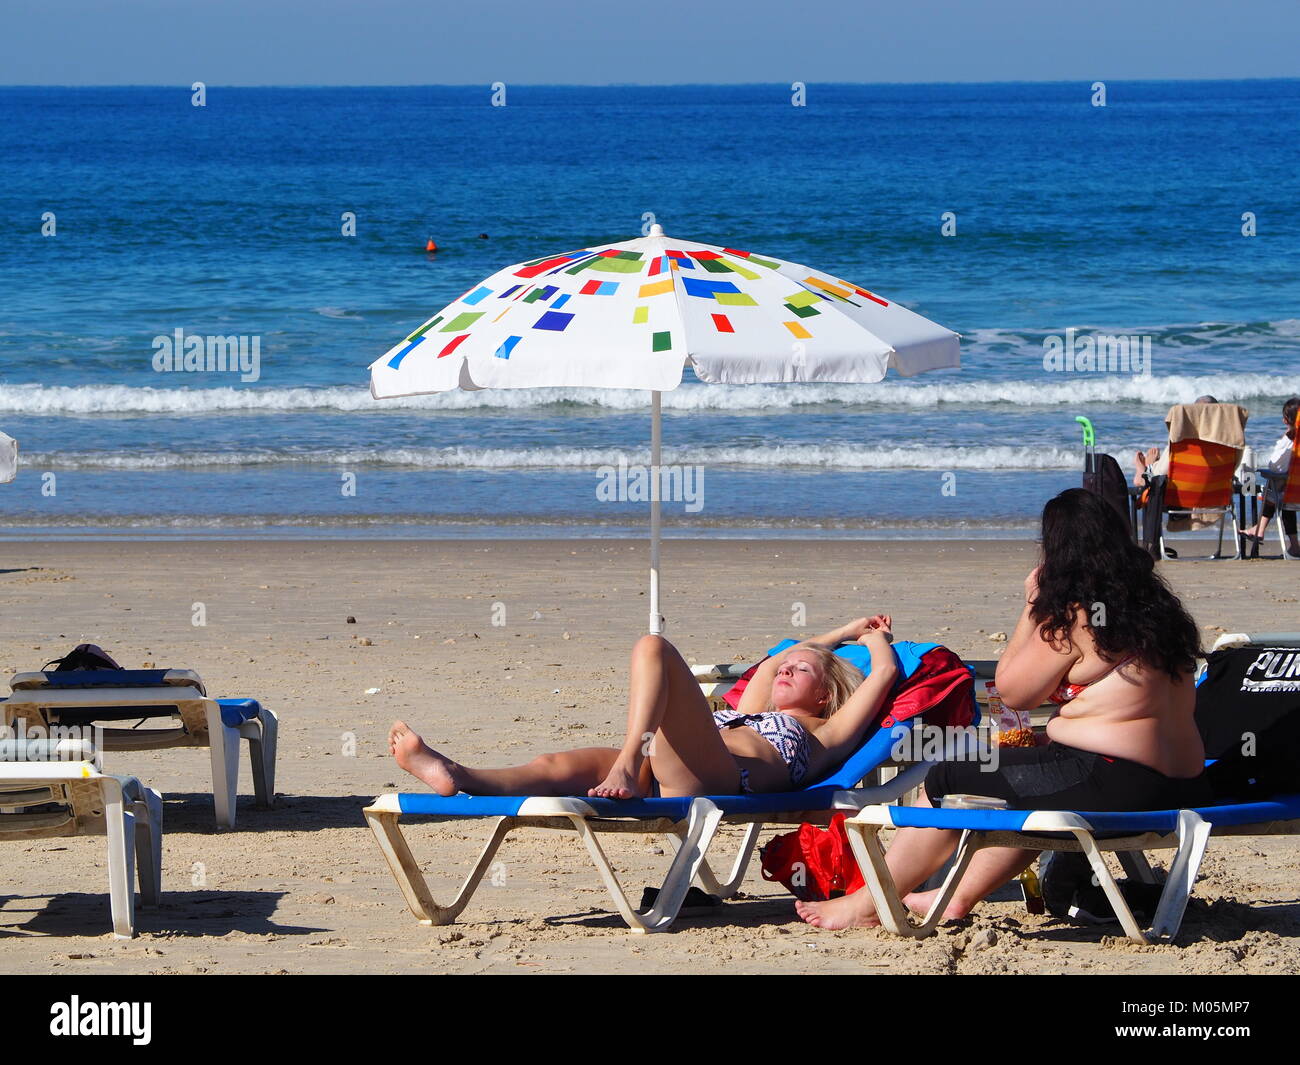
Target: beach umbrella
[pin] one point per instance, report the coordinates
(8, 458)
(634, 314)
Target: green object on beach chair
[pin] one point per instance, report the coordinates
(86, 699)
(52, 789)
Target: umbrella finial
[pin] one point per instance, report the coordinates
(656, 230)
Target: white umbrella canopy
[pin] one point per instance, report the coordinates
(8, 458)
(630, 315)
(633, 314)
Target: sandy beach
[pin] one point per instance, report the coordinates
(303, 888)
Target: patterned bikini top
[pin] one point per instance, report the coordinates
(782, 731)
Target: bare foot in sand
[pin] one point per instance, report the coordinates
(421, 760)
(849, 911)
(919, 902)
(620, 784)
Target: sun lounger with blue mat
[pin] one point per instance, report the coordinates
(689, 823)
(174, 704)
(1248, 711)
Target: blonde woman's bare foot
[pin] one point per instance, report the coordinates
(620, 784)
(421, 760)
(849, 911)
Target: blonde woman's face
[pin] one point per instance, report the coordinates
(799, 683)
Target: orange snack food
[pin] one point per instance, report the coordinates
(1017, 737)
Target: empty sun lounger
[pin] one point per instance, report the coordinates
(689, 823)
(50, 789)
(82, 698)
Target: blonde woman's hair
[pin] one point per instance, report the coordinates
(840, 676)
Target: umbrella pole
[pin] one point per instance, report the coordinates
(656, 435)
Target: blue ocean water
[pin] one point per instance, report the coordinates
(226, 219)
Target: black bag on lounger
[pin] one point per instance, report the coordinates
(1102, 476)
(83, 656)
(1248, 713)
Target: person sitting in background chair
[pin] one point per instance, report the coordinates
(1279, 463)
(1154, 461)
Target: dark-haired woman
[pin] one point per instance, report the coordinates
(1102, 636)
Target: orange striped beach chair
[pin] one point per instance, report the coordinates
(1200, 480)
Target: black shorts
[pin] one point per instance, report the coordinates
(1060, 777)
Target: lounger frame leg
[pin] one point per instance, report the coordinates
(1106, 880)
(1281, 537)
(120, 838)
(1193, 838)
(148, 814)
(223, 746)
(893, 914)
(1136, 867)
(701, 824)
(262, 738)
(406, 871)
(708, 879)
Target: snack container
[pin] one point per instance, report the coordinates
(1008, 727)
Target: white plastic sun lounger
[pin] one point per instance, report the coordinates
(53, 789)
(1129, 834)
(79, 698)
(689, 824)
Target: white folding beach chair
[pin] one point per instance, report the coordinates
(54, 789)
(173, 702)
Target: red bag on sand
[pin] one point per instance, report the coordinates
(814, 864)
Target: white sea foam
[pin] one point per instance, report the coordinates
(849, 457)
(1077, 390)
(567, 522)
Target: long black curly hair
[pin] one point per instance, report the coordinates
(1090, 561)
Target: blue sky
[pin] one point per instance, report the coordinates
(423, 42)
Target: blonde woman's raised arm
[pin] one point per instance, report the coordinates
(848, 724)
